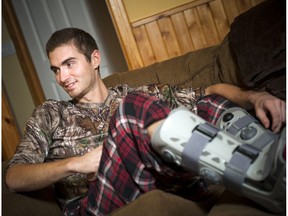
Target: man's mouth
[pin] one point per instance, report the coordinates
(70, 86)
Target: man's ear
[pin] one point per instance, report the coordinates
(95, 58)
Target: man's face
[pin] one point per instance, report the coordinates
(73, 72)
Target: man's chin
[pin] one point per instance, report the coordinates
(75, 95)
(72, 94)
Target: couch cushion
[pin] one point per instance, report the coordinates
(159, 203)
(230, 204)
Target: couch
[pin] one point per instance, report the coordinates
(198, 68)
(217, 64)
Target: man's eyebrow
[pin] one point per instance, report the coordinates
(67, 60)
(63, 63)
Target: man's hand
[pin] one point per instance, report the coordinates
(271, 111)
(89, 163)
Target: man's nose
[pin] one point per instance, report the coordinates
(64, 75)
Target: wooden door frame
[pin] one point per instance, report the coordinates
(124, 32)
(10, 131)
(22, 52)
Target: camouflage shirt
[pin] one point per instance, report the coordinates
(63, 129)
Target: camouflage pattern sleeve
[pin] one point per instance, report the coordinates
(174, 96)
(34, 145)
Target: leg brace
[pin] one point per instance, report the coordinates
(238, 153)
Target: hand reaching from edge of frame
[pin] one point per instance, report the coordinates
(270, 110)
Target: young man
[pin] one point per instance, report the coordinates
(63, 140)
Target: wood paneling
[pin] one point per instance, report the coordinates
(10, 135)
(195, 25)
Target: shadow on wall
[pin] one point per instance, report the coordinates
(101, 16)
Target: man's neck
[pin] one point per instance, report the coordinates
(99, 94)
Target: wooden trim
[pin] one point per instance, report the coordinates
(125, 34)
(23, 53)
(168, 12)
(10, 132)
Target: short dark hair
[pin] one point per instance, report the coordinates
(82, 40)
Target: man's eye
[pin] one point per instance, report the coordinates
(55, 70)
(69, 64)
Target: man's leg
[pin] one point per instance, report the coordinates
(247, 158)
(129, 166)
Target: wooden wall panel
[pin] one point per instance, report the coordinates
(182, 33)
(169, 37)
(207, 24)
(144, 45)
(231, 9)
(10, 133)
(195, 29)
(220, 19)
(156, 40)
(195, 25)
(243, 5)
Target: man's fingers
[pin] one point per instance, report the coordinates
(278, 116)
(261, 115)
(91, 176)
